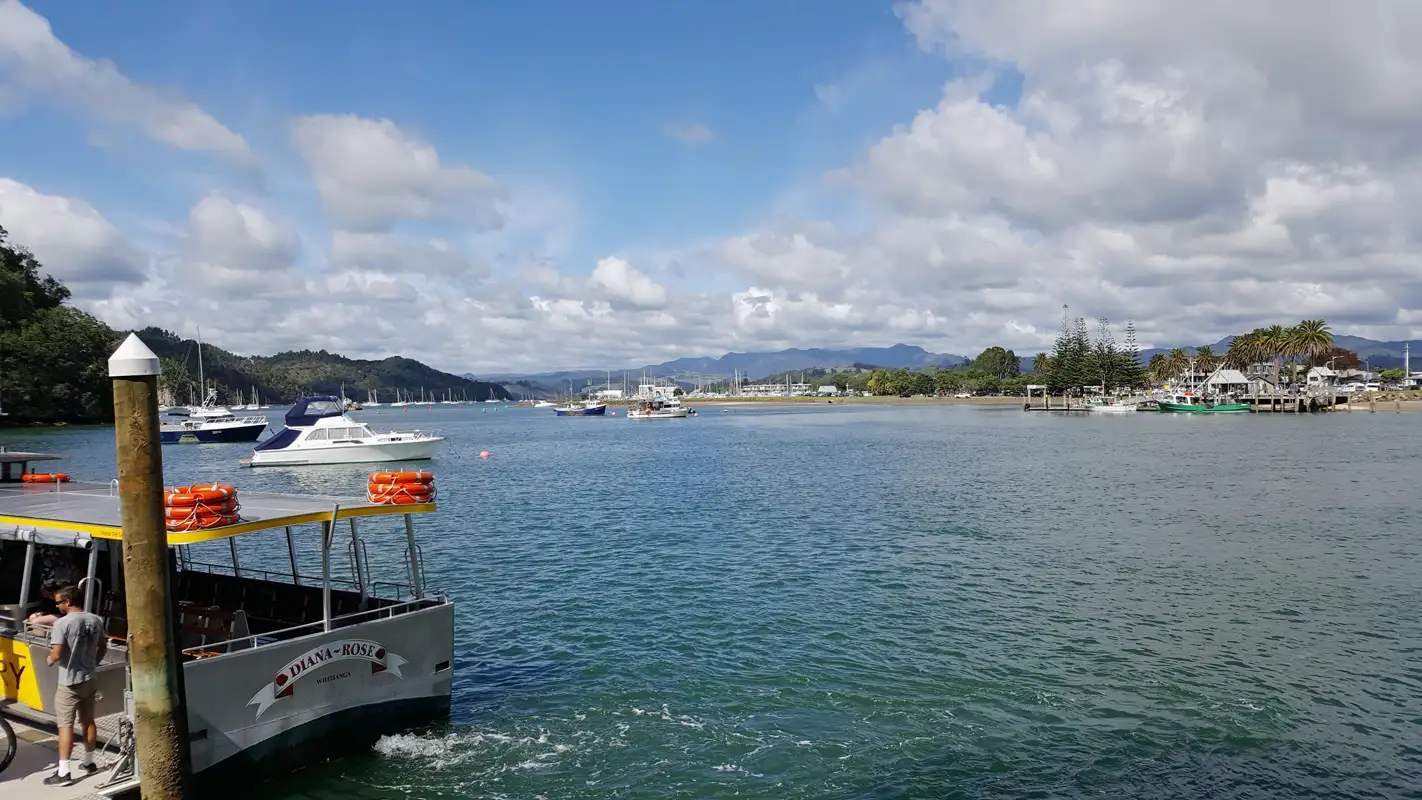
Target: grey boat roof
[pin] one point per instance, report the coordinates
(93, 509)
(18, 457)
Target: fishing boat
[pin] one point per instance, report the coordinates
(1191, 403)
(319, 432)
(657, 408)
(281, 669)
(587, 408)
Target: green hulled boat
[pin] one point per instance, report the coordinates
(1194, 404)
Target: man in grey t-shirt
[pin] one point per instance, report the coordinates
(77, 645)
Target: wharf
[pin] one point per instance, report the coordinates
(1293, 404)
(37, 755)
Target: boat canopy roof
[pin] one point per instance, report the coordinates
(309, 409)
(91, 510)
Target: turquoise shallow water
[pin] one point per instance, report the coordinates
(901, 602)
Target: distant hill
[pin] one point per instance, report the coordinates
(752, 365)
(286, 376)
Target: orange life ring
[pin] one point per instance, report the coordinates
(203, 522)
(399, 499)
(402, 477)
(226, 508)
(381, 496)
(397, 491)
(45, 477)
(192, 495)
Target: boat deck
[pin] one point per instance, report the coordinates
(93, 509)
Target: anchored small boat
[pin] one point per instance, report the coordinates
(1110, 405)
(1191, 403)
(587, 408)
(318, 431)
(281, 669)
(657, 408)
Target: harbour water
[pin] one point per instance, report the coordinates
(868, 602)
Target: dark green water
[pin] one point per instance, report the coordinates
(908, 602)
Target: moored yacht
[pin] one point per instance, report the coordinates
(319, 432)
(211, 424)
(658, 408)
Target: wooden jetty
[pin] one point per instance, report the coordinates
(1307, 403)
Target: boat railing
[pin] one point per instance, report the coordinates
(297, 631)
(270, 576)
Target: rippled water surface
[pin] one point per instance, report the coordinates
(901, 602)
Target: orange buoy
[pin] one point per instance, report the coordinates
(45, 477)
(483, 453)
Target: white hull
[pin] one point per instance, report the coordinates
(675, 413)
(349, 453)
(1116, 409)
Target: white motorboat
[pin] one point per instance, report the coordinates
(658, 408)
(319, 432)
(1110, 405)
(545, 404)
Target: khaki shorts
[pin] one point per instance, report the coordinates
(73, 703)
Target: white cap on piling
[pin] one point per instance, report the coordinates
(133, 359)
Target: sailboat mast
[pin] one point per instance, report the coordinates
(202, 379)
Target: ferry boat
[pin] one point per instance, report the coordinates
(587, 408)
(281, 669)
(657, 408)
(319, 432)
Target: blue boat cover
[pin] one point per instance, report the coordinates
(309, 409)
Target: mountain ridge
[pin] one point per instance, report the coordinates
(754, 365)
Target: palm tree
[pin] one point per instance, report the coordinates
(1274, 340)
(1177, 361)
(1205, 359)
(1156, 368)
(1311, 339)
(1242, 350)
(1042, 364)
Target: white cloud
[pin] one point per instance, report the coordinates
(385, 252)
(33, 62)
(73, 241)
(691, 134)
(371, 173)
(623, 282)
(1202, 168)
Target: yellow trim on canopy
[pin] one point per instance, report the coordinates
(211, 534)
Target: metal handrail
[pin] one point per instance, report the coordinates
(341, 621)
(267, 575)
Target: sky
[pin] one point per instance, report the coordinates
(520, 187)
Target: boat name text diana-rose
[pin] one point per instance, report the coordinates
(284, 684)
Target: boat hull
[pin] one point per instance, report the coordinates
(1223, 408)
(1113, 409)
(422, 450)
(581, 412)
(310, 695)
(224, 435)
(677, 414)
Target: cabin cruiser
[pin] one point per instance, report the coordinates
(658, 408)
(319, 432)
(283, 668)
(212, 425)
